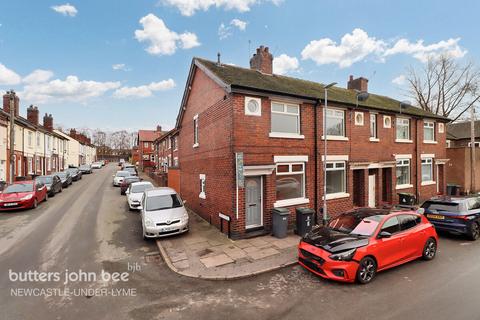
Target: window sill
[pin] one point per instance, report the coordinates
(286, 135)
(427, 183)
(338, 195)
(374, 140)
(430, 142)
(403, 141)
(202, 195)
(403, 186)
(336, 138)
(195, 145)
(290, 202)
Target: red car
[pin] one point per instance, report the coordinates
(23, 195)
(359, 243)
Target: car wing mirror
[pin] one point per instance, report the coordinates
(384, 234)
(127, 192)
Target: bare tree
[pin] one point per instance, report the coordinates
(444, 86)
(120, 140)
(99, 137)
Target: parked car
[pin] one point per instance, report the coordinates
(119, 176)
(75, 173)
(65, 177)
(85, 168)
(102, 162)
(359, 243)
(126, 183)
(460, 215)
(163, 213)
(53, 184)
(96, 165)
(23, 195)
(131, 169)
(135, 193)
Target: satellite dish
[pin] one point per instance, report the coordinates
(405, 104)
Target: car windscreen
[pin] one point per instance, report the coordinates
(45, 180)
(168, 201)
(19, 187)
(442, 206)
(140, 188)
(84, 167)
(356, 224)
(62, 174)
(122, 174)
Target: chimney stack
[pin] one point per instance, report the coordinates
(6, 103)
(159, 128)
(360, 84)
(32, 115)
(262, 60)
(48, 122)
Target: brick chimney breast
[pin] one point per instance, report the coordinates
(48, 122)
(360, 84)
(32, 115)
(6, 103)
(262, 60)
(159, 128)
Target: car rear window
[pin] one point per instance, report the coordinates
(141, 188)
(441, 206)
(169, 201)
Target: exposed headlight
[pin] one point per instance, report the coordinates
(343, 256)
(149, 223)
(27, 197)
(185, 217)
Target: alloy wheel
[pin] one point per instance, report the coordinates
(430, 249)
(475, 233)
(367, 270)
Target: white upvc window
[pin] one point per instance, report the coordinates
(429, 131)
(30, 139)
(195, 131)
(403, 129)
(427, 169)
(403, 172)
(373, 126)
(175, 161)
(285, 120)
(336, 177)
(335, 123)
(203, 184)
(290, 181)
(145, 144)
(38, 139)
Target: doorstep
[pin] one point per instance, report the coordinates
(204, 252)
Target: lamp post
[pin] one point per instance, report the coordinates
(325, 215)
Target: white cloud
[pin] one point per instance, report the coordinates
(241, 25)
(66, 9)
(284, 64)
(38, 76)
(422, 52)
(353, 47)
(358, 46)
(8, 77)
(145, 90)
(120, 66)
(190, 7)
(70, 89)
(163, 41)
(400, 80)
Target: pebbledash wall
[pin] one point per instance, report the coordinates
(224, 129)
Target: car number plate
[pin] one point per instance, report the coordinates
(435, 216)
(10, 204)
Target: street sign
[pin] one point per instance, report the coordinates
(239, 166)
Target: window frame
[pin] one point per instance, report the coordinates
(374, 121)
(398, 124)
(203, 186)
(303, 198)
(285, 105)
(195, 131)
(334, 168)
(427, 161)
(404, 163)
(344, 128)
(431, 126)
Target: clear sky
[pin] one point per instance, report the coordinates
(122, 64)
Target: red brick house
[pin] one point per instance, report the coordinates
(166, 148)
(146, 148)
(251, 141)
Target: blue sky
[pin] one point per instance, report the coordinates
(61, 55)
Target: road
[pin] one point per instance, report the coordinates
(88, 228)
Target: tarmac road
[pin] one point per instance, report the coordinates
(88, 227)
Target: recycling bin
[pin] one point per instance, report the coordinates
(406, 199)
(304, 220)
(280, 222)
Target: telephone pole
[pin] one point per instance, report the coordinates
(472, 152)
(12, 135)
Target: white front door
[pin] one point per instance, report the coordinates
(253, 202)
(371, 191)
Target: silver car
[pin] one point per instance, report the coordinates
(163, 213)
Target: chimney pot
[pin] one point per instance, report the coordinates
(262, 60)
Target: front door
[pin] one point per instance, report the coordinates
(253, 202)
(371, 191)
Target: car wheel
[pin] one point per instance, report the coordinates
(46, 196)
(367, 270)
(35, 203)
(474, 233)
(61, 189)
(143, 233)
(430, 249)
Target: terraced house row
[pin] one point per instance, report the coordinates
(39, 148)
(249, 141)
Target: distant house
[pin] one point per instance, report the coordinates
(459, 152)
(146, 149)
(251, 141)
(166, 158)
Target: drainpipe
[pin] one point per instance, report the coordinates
(315, 157)
(417, 191)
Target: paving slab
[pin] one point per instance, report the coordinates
(215, 261)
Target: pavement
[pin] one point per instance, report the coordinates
(89, 227)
